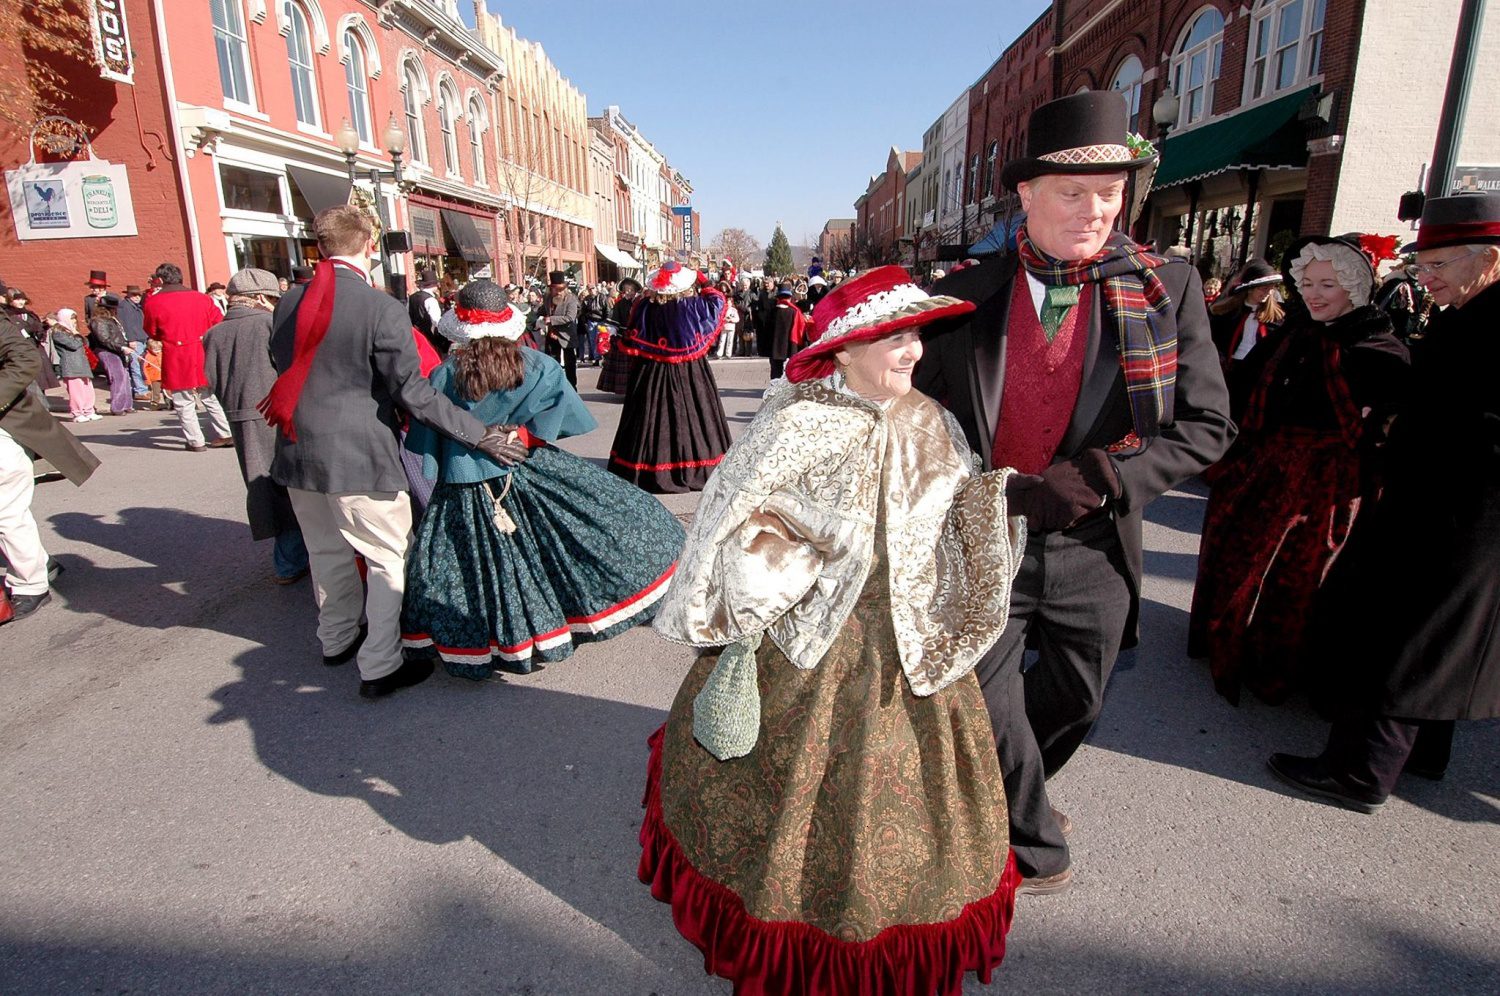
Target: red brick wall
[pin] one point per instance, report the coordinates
(129, 125)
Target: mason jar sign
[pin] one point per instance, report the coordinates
(99, 202)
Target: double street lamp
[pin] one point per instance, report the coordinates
(390, 242)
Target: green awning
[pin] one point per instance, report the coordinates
(1264, 137)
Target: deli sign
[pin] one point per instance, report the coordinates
(111, 40)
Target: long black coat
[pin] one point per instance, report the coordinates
(24, 414)
(1415, 600)
(964, 369)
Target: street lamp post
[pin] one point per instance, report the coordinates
(395, 144)
(1164, 113)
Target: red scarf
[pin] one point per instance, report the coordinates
(314, 313)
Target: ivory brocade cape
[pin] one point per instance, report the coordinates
(785, 534)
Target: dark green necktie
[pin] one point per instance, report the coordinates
(1060, 300)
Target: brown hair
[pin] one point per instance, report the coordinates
(488, 364)
(342, 230)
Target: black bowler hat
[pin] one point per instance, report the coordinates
(1460, 220)
(1083, 133)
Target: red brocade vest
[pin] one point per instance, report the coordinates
(1041, 381)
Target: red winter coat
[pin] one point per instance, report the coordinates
(178, 317)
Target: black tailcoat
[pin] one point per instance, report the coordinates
(964, 368)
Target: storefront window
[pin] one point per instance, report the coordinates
(251, 190)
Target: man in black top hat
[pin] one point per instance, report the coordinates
(1088, 367)
(1418, 662)
(97, 285)
(560, 324)
(426, 312)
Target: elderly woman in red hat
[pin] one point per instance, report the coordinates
(825, 810)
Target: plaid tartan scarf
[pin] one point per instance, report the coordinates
(1136, 300)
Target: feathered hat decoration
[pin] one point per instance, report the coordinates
(672, 280)
(1378, 248)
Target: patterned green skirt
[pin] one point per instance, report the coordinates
(861, 847)
(589, 557)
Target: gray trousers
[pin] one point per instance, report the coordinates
(1069, 602)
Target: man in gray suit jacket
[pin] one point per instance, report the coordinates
(347, 363)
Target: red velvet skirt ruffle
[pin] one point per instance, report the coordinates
(782, 958)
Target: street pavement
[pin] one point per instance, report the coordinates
(194, 804)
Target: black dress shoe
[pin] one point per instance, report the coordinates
(347, 654)
(411, 672)
(1308, 775)
(22, 606)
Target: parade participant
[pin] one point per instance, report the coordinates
(178, 317)
(614, 373)
(26, 424)
(1089, 368)
(425, 311)
(672, 431)
(1239, 319)
(560, 312)
(133, 318)
(32, 327)
(512, 565)
(107, 339)
(97, 285)
(336, 446)
(237, 360)
(816, 288)
(785, 330)
(824, 809)
(1288, 492)
(220, 296)
(73, 366)
(1419, 661)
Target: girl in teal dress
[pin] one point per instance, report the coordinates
(515, 565)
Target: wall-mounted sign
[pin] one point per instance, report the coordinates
(111, 40)
(687, 231)
(682, 209)
(82, 200)
(1476, 179)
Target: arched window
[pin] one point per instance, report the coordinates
(411, 102)
(1195, 67)
(299, 56)
(231, 48)
(355, 75)
(1128, 82)
(989, 167)
(1285, 47)
(447, 116)
(476, 143)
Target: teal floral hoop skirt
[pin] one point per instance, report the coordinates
(589, 556)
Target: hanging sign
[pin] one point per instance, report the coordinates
(81, 200)
(111, 40)
(687, 231)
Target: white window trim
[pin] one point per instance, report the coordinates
(1268, 11)
(230, 103)
(364, 78)
(1137, 88)
(448, 97)
(1183, 59)
(412, 70)
(356, 24)
(317, 24)
(315, 126)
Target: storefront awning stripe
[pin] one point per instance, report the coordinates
(461, 227)
(617, 257)
(1264, 137)
(320, 190)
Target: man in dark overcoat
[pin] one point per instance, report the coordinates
(783, 335)
(1088, 367)
(237, 359)
(1413, 605)
(27, 425)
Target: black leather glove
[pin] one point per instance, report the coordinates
(501, 444)
(1065, 493)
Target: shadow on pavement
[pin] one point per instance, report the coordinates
(548, 781)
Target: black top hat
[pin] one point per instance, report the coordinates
(1083, 133)
(98, 279)
(427, 279)
(557, 277)
(302, 274)
(1460, 220)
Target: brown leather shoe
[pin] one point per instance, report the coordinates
(1046, 885)
(1063, 823)
(222, 443)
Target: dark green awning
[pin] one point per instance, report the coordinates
(1264, 137)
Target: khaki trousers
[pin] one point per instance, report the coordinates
(376, 526)
(20, 541)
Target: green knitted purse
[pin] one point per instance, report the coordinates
(726, 712)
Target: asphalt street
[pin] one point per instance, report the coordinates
(194, 804)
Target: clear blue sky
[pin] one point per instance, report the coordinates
(774, 111)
